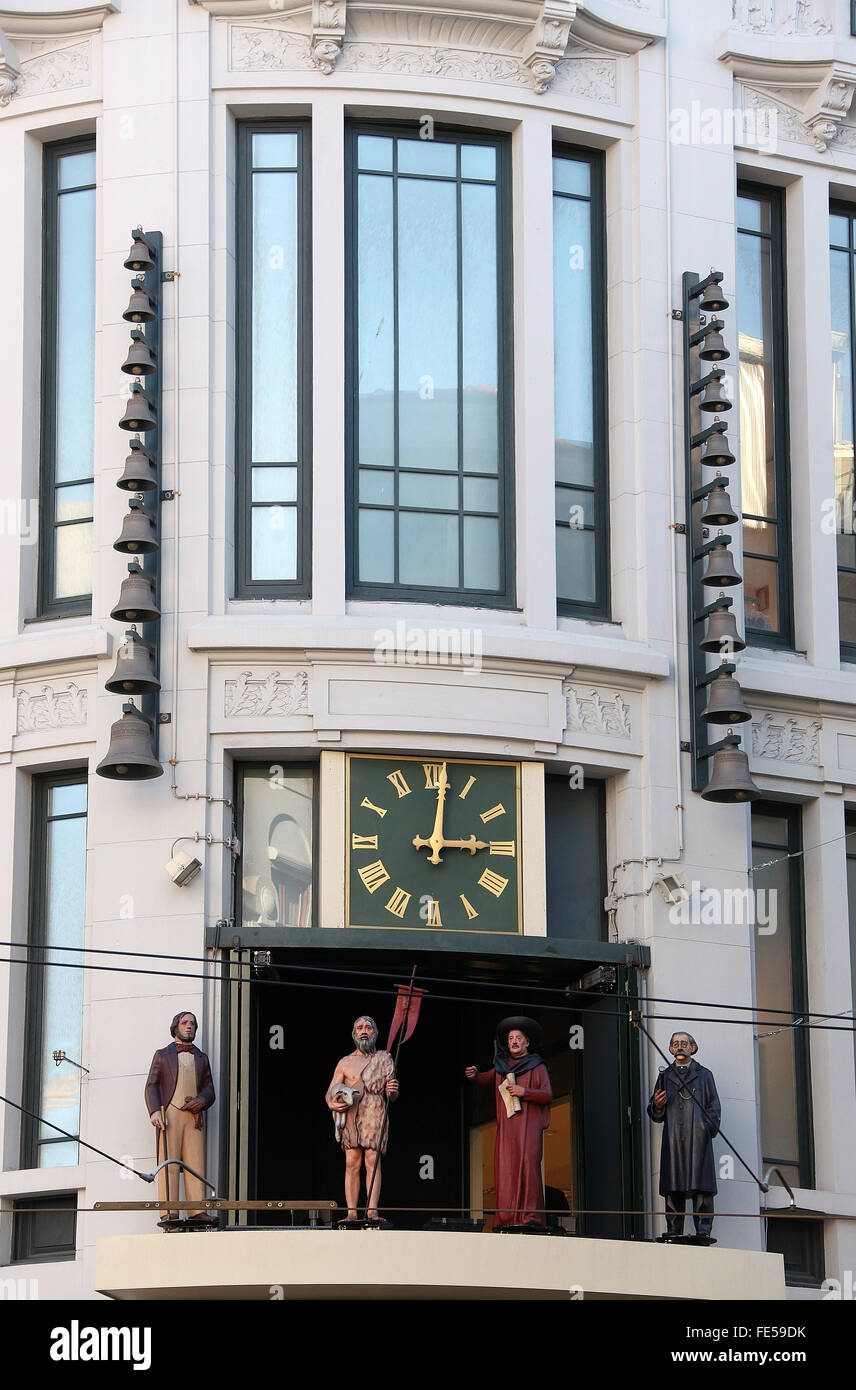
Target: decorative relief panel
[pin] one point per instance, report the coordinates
(588, 712)
(786, 740)
(46, 68)
(266, 694)
(782, 17)
(47, 708)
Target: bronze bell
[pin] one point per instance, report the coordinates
(139, 412)
(730, 780)
(713, 301)
(133, 674)
(129, 757)
(722, 632)
(717, 450)
(136, 599)
(713, 348)
(713, 397)
(141, 306)
(140, 256)
(141, 359)
(138, 531)
(725, 702)
(718, 510)
(720, 567)
(140, 473)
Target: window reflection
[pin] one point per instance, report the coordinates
(841, 297)
(277, 847)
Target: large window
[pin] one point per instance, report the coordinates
(429, 373)
(850, 847)
(761, 324)
(54, 975)
(842, 235)
(278, 863)
(780, 984)
(579, 319)
(274, 359)
(68, 379)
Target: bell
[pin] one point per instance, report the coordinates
(713, 397)
(141, 359)
(713, 301)
(136, 599)
(138, 531)
(720, 568)
(139, 412)
(140, 256)
(130, 757)
(730, 779)
(718, 510)
(725, 702)
(133, 674)
(713, 348)
(140, 473)
(717, 450)
(722, 632)
(141, 306)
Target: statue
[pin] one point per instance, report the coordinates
(523, 1097)
(179, 1088)
(362, 1082)
(686, 1157)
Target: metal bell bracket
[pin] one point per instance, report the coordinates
(726, 669)
(719, 481)
(698, 289)
(137, 390)
(714, 326)
(130, 708)
(718, 427)
(716, 375)
(730, 741)
(702, 549)
(715, 607)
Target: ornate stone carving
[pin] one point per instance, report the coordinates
(829, 104)
(590, 713)
(50, 709)
(595, 78)
(789, 124)
(56, 70)
(10, 70)
(260, 49)
(328, 33)
(785, 17)
(266, 695)
(786, 741)
(548, 41)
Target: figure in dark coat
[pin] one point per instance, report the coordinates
(686, 1156)
(179, 1087)
(520, 1136)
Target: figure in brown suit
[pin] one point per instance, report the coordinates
(178, 1089)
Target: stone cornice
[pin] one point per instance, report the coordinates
(617, 28)
(44, 19)
(814, 76)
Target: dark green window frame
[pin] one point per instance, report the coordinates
(776, 419)
(48, 604)
(37, 955)
(600, 606)
(792, 816)
(504, 596)
(245, 585)
(44, 1228)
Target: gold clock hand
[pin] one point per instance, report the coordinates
(435, 842)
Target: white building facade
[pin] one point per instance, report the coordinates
(460, 226)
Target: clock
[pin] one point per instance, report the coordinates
(433, 844)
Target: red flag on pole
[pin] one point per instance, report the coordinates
(407, 1006)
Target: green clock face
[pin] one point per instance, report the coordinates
(433, 844)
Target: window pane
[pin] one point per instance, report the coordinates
(428, 550)
(377, 486)
(74, 502)
(374, 152)
(774, 990)
(275, 150)
(67, 801)
(427, 490)
(377, 547)
(376, 322)
(846, 617)
(277, 848)
(575, 571)
(759, 537)
(574, 508)
(481, 553)
(274, 484)
(480, 495)
(756, 386)
(478, 162)
(480, 341)
(73, 560)
(274, 542)
(839, 230)
(428, 324)
(571, 176)
(761, 595)
(427, 157)
(75, 336)
(274, 427)
(573, 338)
(75, 170)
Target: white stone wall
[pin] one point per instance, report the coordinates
(161, 84)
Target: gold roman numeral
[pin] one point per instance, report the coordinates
(373, 875)
(494, 883)
(397, 780)
(502, 847)
(432, 775)
(434, 918)
(370, 806)
(468, 907)
(497, 810)
(466, 788)
(366, 842)
(397, 904)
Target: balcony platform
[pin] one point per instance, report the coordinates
(294, 1264)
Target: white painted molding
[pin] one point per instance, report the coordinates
(43, 19)
(617, 28)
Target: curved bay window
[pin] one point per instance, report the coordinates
(429, 366)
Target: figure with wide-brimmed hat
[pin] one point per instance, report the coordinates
(523, 1096)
